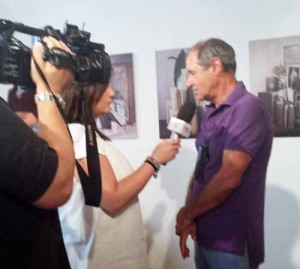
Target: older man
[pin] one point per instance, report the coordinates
(224, 209)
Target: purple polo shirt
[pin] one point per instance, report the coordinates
(241, 123)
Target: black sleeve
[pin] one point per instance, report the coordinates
(27, 164)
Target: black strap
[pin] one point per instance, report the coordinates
(92, 183)
(201, 162)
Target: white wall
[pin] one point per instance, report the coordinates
(142, 27)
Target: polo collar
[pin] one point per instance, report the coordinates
(235, 95)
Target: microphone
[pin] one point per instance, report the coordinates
(180, 126)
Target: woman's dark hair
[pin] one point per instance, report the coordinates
(73, 99)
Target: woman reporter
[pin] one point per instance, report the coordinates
(115, 229)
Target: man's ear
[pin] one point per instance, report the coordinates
(216, 65)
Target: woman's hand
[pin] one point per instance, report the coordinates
(166, 150)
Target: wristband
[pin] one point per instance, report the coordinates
(154, 163)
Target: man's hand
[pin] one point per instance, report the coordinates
(182, 220)
(185, 251)
(191, 230)
(185, 226)
(58, 78)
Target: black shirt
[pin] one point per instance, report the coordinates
(30, 237)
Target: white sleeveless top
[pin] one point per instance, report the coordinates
(93, 237)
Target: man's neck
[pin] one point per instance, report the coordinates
(226, 86)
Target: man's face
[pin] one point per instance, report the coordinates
(200, 79)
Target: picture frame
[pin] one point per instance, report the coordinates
(120, 122)
(292, 73)
(172, 91)
(291, 54)
(275, 77)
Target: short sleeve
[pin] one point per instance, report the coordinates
(250, 125)
(78, 135)
(28, 165)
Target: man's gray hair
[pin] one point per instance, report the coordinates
(215, 47)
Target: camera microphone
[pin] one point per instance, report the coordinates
(180, 126)
(6, 25)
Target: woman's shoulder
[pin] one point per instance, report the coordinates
(77, 131)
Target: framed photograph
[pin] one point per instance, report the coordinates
(121, 121)
(291, 54)
(173, 93)
(275, 76)
(293, 73)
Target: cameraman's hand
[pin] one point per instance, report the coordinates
(166, 150)
(58, 78)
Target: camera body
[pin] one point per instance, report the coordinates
(91, 64)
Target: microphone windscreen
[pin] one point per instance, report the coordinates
(186, 112)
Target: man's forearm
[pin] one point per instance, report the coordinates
(189, 194)
(52, 127)
(214, 194)
(53, 130)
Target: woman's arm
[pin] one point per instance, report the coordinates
(117, 194)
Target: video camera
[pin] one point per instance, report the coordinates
(91, 64)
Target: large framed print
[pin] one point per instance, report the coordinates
(120, 123)
(291, 54)
(275, 77)
(172, 90)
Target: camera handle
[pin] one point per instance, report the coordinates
(61, 58)
(57, 56)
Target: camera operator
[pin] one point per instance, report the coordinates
(36, 174)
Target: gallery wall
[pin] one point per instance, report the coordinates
(144, 27)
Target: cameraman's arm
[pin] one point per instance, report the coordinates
(53, 129)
